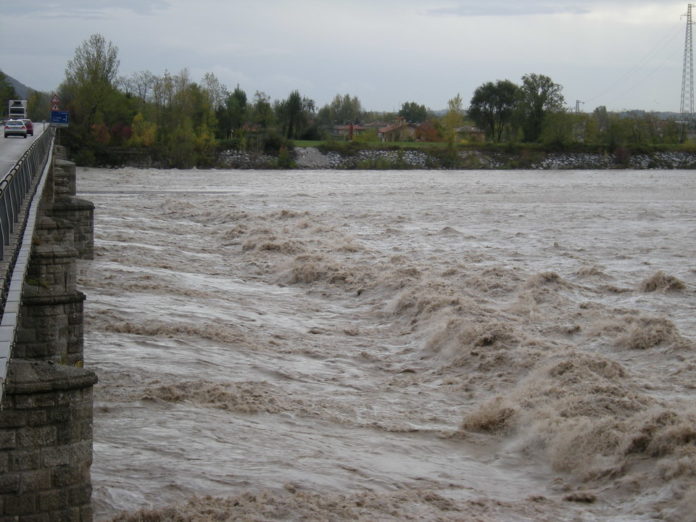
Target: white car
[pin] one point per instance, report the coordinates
(15, 128)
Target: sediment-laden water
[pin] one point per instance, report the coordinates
(416, 345)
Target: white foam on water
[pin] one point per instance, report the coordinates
(392, 345)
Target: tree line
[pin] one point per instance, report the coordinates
(183, 123)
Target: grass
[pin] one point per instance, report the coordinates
(307, 143)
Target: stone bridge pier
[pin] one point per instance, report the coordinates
(46, 416)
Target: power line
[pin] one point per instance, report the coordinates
(640, 66)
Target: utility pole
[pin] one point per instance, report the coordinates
(687, 91)
(577, 106)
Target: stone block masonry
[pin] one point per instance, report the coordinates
(46, 415)
(79, 213)
(46, 442)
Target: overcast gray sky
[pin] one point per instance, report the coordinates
(619, 53)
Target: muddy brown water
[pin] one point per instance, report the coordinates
(393, 345)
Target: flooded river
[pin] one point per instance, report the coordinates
(393, 345)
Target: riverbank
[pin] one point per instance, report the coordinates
(316, 158)
(349, 156)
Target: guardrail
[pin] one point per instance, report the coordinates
(17, 182)
(18, 213)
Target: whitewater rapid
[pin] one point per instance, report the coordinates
(392, 345)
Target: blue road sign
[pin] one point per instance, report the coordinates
(60, 118)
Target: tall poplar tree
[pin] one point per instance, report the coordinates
(539, 95)
(294, 114)
(90, 79)
(453, 119)
(99, 112)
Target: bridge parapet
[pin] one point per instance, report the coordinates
(46, 410)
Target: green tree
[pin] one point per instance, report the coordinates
(178, 147)
(492, 107)
(591, 130)
(180, 118)
(558, 129)
(216, 91)
(176, 97)
(413, 113)
(601, 116)
(639, 129)
(144, 133)
(204, 146)
(38, 106)
(671, 131)
(342, 109)
(100, 113)
(295, 114)
(262, 110)
(234, 112)
(618, 132)
(289, 114)
(453, 119)
(539, 96)
(263, 134)
(7, 92)
(90, 80)
(162, 93)
(597, 128)
(95, 63)
(368, 136)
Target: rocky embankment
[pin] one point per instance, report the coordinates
(581, 160)
(313, 158)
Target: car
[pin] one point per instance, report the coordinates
(30, 127)
(15, 128)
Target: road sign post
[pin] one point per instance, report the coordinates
(60, 118)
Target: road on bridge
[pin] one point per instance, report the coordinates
(12, 148)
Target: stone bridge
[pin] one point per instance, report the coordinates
(46, 410)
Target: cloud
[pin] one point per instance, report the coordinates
(472, 8)
(502, 8)
(384, 52)
(89, 9)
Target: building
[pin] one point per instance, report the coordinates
(399, 131)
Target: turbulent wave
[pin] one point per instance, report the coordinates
(370, 327)
(660, 281)
(295, 503)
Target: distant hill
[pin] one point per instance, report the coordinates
(21, 89)
(664, 115)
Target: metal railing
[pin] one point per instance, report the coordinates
(18, 212)
(17, 182)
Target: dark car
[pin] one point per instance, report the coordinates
(15, 128)
(30, 127)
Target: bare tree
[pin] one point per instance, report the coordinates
(141, 84)
(95, 62)
(216, 91)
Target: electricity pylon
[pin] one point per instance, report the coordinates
(687, 92)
